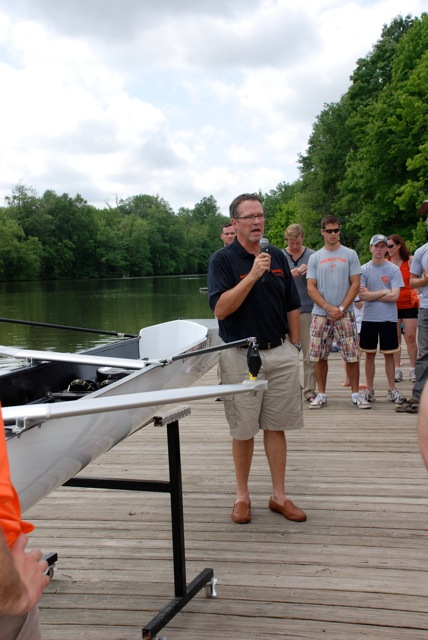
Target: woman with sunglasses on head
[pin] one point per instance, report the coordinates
(407, 305)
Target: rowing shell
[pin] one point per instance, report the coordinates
(50, 442)
(44, 457)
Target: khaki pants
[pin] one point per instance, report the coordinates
(279, 408)
(26, 627)
(309, 380)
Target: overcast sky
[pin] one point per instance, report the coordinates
(181, 98)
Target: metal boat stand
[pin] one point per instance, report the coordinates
(183, 592)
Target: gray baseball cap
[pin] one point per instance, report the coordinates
(378, 238)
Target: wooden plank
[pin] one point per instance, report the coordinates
(356, 569)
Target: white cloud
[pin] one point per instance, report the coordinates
(182, 99)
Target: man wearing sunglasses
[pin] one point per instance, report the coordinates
(333, 280)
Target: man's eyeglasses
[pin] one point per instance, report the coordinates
(257, 216)
(332, 230)
(390, 246)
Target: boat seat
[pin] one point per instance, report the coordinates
(68, 395)
(181, 336)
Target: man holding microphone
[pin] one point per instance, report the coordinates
(252, 293)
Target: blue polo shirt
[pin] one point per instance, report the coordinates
(263, 314)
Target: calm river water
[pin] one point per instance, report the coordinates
(122, 305)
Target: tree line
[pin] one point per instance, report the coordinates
(57, 237)
(366, 162)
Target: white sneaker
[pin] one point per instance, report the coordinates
(398, 375)
(395, 396)
(359, 401)
(319, 401)
(412, 375)
(369, 395)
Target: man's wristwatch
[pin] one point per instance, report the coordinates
(342, 309)
(297, 345)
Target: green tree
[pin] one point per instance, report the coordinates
(374, 72)
(201, 227)
(323, 166)
(160, 240)
(69, 248)
(134, 232)
(333, 169)
(110, 244)
(277, 211)
(20, 257)
(386, 176)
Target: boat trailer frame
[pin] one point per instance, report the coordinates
(183, 592)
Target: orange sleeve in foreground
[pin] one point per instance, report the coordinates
(10, 508)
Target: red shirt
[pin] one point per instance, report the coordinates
(10, 508)
(404, 299)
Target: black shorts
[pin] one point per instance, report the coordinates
(408, 313)
(384, 333)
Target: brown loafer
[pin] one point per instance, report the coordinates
(241, 513)
(411, 406)
(288, 510)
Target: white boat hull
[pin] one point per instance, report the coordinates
(43, 457)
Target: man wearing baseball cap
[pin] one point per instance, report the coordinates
(379, 290)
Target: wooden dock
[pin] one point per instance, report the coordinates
(358, 568)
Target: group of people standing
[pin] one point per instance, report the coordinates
(300, 299)
(290, 300)
(390, 307)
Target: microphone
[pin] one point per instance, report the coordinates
(264, 248)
